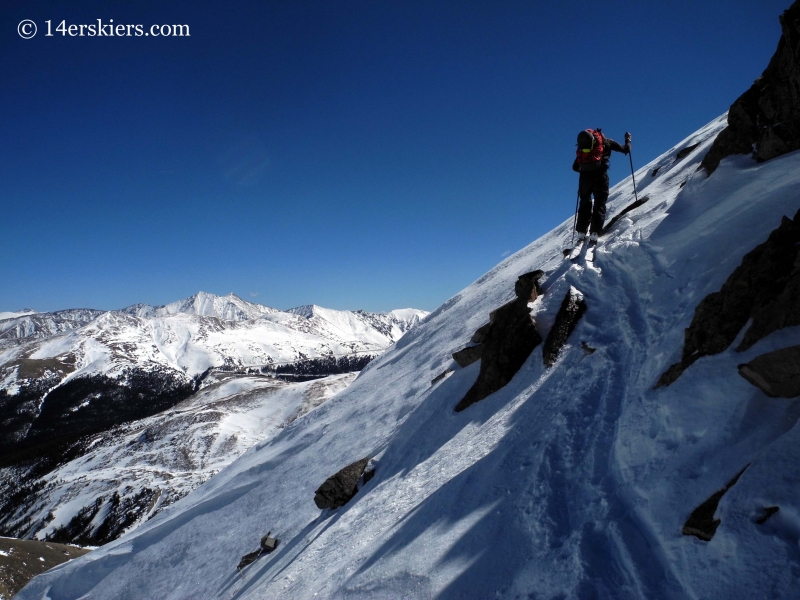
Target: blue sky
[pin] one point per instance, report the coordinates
(352, 154)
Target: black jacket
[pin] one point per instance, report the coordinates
(608, 146)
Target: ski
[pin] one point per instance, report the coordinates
(573, 253)
(590, 247)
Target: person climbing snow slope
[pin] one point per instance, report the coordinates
(591, 161)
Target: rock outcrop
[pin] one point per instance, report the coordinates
(467, 356)
(701, 523)
(340, 488)
(636, 204)
(268, 545)
(777, 373)
(782, 311)
(764, 286)
(571, 311)
(509, 340)
(765, 120)
(766, 513)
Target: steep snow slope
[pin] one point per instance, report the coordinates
(570, 482)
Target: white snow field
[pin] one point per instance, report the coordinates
(570, 482)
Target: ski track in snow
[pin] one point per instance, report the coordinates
(570, 482)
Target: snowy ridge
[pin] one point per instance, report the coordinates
(42, 325)
(570, 482)
(228, 308)
(14, 314)
(193, 335)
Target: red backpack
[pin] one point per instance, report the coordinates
(590, 150)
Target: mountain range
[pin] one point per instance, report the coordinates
(619, 425)
(129, 410)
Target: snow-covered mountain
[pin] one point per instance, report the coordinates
(128, 474)
(16, 313)
(32, 325)
(228, 308)
(188, 337)
(578, 480)
(625, 458)
(75, 383)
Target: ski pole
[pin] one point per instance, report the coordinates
(575, 221)
(630, 156)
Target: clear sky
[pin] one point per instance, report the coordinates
(371, 154)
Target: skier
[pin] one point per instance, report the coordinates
(591, 161)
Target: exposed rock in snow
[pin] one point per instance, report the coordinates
(572, 309)
(511, 338)
(765, 120)
(701, 523)
(467, 356)
(340, 488)
(777, 373)
(755, 285)
(778, 312)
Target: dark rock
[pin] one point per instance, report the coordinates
(701, 523)
(766, 513)
(683, 183)
(609, 226)
(441, 376)
(587, 348)
(782, 311)
(655, 172)
(467, 356)
(248, 559)
(765, 120)
(509, 339)
(572, 309)
(777, 373)
(269, 543)
(684, 152)
(340, 488)
(480, 334)
(755, 285)
(527, 286)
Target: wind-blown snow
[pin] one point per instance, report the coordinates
(570, 482)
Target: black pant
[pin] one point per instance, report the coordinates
(592, 183)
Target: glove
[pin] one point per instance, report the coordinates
(627, 138)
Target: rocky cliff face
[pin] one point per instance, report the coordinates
(765, 120)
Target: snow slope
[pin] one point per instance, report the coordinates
(153, 462)
(570, 482)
